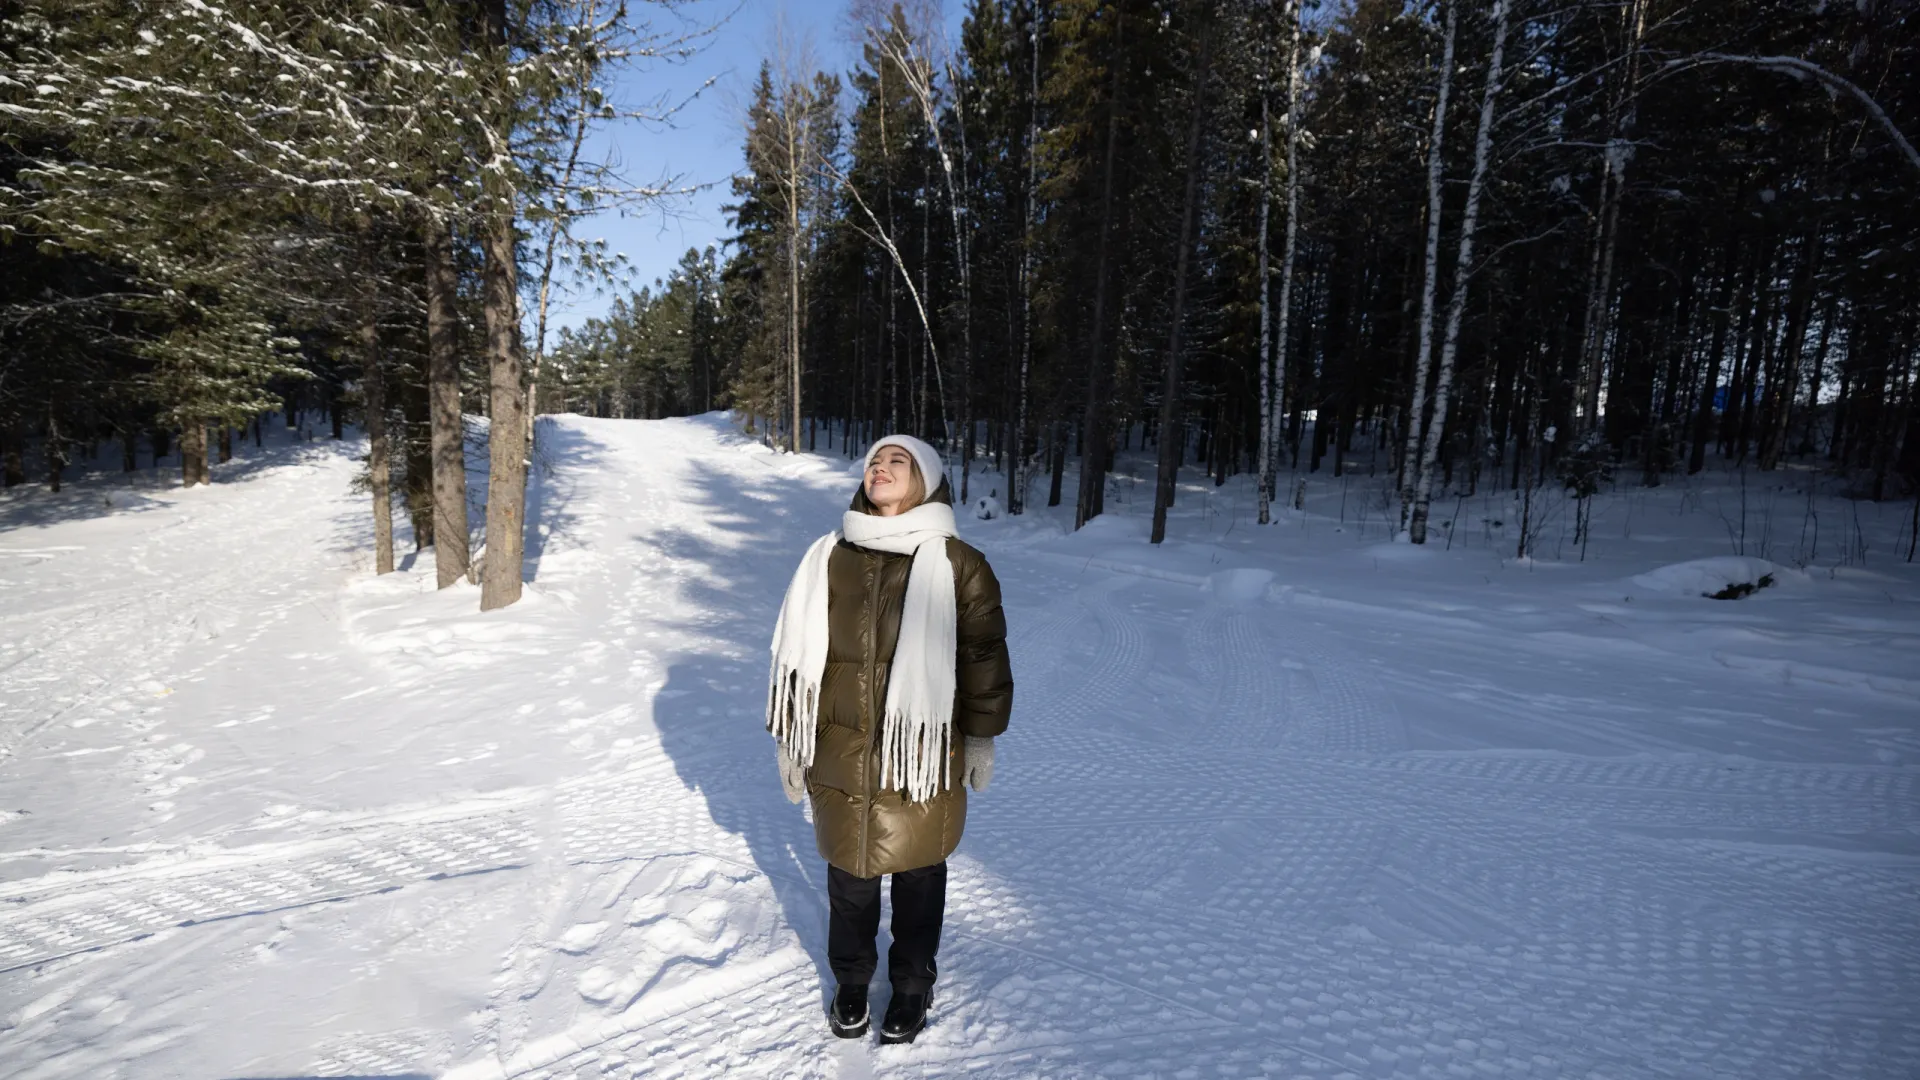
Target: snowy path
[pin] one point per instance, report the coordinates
(267, 816)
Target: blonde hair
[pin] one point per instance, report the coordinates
(916, 487)
(916, 484)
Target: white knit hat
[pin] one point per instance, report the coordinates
(932, 472)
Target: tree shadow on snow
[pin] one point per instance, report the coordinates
(562, 455)
(103, 493)
(710, 713)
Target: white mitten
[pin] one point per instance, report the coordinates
(793, 779)
(978, 769)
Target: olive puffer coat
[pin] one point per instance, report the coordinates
(861, 829)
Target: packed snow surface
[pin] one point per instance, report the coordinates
(1274, 802)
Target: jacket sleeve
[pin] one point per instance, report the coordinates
(983, 676)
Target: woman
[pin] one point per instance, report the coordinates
(890, 680)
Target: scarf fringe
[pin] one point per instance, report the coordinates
(913, 754)
(792, 713)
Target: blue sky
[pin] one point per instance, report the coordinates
(703, 145)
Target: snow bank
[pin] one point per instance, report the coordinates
(1403, 551)
(1242, 586)
(1703, 577)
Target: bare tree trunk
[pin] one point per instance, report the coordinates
(1716, 353)
(1017, 458)
(883, 236)
(13, 467)
(1612, 179)
(1172, 428)
(193, 454)
(56, 453)
(918, 72)
(926, 290)
(1423, 361)
(500, 583)
(1810, 414)
(373, 386)
(226, 444)
(412, 442)
(506, 446)
(1462, 269)
(963, 259)
(1784, 386)
(451, 555)
(1091, 498)
(1057, 462)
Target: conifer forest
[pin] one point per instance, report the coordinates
(1486, 244)
(1467, 244)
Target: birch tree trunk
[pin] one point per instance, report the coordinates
(451, 555)
(963, 259)
(1423, 360)
(1264, 486)
(1172, 429)
(917, 70)
(1462, 270)
(1017, 467)
(1273, 369)
(373, 388)
(795, 140)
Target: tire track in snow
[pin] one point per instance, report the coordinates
(1614, 912)
(1735, 793)
(1348, 997)
(1346, 712)
(1251, 686)
(63, 914)
(1087, 684)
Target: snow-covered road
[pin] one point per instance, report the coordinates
(1270, 806)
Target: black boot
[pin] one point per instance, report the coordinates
(906, 1017)
(848, 1017)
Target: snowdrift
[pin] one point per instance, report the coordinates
(1705, 577)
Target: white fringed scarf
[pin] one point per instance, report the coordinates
(916, 729)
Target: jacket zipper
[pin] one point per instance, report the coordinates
(868, 783)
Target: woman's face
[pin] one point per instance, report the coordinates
(893, 481)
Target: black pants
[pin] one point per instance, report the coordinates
(919, 905)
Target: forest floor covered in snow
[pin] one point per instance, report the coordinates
(1282, 801)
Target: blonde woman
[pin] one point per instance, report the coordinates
(890, 680)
